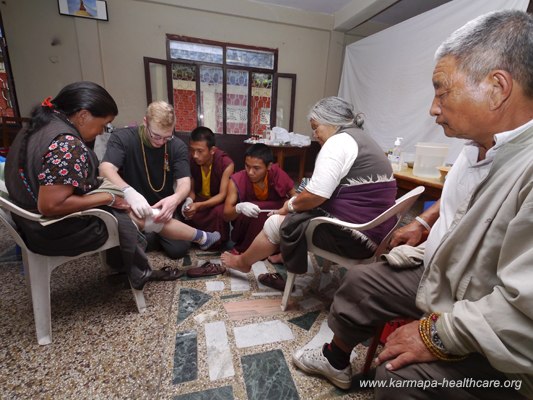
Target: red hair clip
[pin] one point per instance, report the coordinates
(47, 103)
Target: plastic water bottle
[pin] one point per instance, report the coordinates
(396, 157)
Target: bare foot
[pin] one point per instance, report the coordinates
(234, 261)
(276, 258)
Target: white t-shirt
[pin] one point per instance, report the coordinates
(332, 164)
(465, 175)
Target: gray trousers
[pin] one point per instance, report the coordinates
(373, 294)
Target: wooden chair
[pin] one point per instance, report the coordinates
(379, 338)
(38, 267)
(401, 206)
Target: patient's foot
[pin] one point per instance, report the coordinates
(235, 261)
(276, 258)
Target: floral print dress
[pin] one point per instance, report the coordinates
(67, 163)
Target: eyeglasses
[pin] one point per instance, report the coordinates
(158, 137)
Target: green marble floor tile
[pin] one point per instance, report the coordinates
(267, 377)
(305, 321)
(222, 393)
(190, 301)
(185, 358)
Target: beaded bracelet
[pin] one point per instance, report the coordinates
(113, 198)
(424, 329)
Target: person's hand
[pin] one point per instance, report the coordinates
(121, 204)
(167, 207)
(185, 208)
(411, 234)
(404, 346)
(191, 210)
(249, 209)
(138, 203)
(282, 211)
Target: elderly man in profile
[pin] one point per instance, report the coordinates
(469, 288)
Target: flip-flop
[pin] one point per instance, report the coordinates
(166, 274)
(235, 252)
(273, 280)
(206, 269)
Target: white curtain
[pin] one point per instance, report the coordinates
(387, 76)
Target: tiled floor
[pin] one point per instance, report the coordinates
(219, 338)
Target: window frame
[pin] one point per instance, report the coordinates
(9, 72)
(225, 67)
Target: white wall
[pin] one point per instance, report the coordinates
(111, 53)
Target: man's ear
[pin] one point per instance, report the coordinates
(501, 87)
(269, 166)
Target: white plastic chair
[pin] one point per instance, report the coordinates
(38, 267)
(401, 206)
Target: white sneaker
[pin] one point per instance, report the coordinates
(313, 361)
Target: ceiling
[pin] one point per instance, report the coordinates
(399, 11)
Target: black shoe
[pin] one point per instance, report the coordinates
(166, 274)
(138, 283)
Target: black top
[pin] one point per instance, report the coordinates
(125, 152)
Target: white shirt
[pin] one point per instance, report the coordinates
(332, 164)
(460, 183)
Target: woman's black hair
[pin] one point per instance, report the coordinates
(72, 98)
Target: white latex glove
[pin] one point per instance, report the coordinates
(188, 201)
(138, 203)
(249, 209)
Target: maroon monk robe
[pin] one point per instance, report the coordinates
(245, 229)
(211, 219)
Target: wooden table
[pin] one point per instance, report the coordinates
(280, 152)
(407, 181)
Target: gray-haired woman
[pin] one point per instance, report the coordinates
(352, 181)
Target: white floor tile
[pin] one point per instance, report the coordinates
(219, 358)
(214, 286)
(262, 333)
(239, 281)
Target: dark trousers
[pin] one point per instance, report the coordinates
(372, 294)
(293, 244)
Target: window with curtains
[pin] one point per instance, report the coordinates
(230, 88)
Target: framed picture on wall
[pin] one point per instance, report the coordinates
(94, 9)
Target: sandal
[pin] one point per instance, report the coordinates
(272, 280)
(166, 274)
(206, 269)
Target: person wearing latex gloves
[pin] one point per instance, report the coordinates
(211, 169)
(185, 207)
(146, 162)
(262, 185)
(139, 205)
(249, 209)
